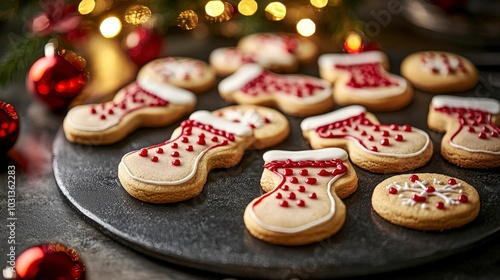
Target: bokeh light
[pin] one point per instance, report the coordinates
(275, 11)
(86, 7)
(137, 14)
(306, 27)
(214, 8)
(319, 3)
(110, 27)
(247, 7)
(353, 43)
(187, 20)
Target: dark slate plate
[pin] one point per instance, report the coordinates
(208, 233)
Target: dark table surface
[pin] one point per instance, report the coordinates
(45, 216)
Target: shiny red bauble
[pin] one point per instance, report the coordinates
(49, 261)
(9, 127)
(55, 81)
(143, 45)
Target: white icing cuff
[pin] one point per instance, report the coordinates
(206, 117)
(165, 91)
(236, 81)
(321, 154)
(329, 60)
(485, 104)
(337, 115)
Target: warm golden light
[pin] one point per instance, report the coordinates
(353, 43)
(137, 14)
(86, 7)
(214, 8)
(319, 3)
(306, 27)
(187, 20)
(247, 7)
(110, 27)
(275, 11)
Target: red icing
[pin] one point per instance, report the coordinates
(174, 145)
(189, 148)
(185, 140)
(201, 141)
(393, 190)
(301, 203)
(312, 195)
(385, 133)
(414, 178)
(287, 172)
(323, 172)
(463, 198)
(384, 142)
(430, 189)
(291, 195)
(367, 75)
(398, 137)
(452, 182)
(143, 153)
(301, 189)
(407, 128)
(437, 62)
(279, 196)
(440, 205)
(159, 151)
(311, 181)
(154, 159)
(419, 198)
(284, 203)
(176, 162)
(215, 139)
(394, 127)
(284, 187)
(303, 172)
(294, 180)
(174, 154)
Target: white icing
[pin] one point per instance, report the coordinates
(206, 117)
(474, 150)
(321, 154)
(328, 118)
(489, 105)
(329, 61)
(76, 112)
(420, 188)
(165, 91)
(240, 78)
(232, 58)
(248, 117)
(432, 61)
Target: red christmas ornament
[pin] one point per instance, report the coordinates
(50, 261)
(9, 127)
(57, 78)
(143, 45)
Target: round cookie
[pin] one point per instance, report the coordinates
(184, 72)
(439, 72)
(426, 201)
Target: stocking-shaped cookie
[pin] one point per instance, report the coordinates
(471, 129)
(361, 79)
(302, 204)
(184, 72)
(297, 95)
(177, 169)
(226, 61)
(380, 148)
(144, 103)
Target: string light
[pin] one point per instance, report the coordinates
(247, 7)
(187, 20)
(275, 11)
(137, 14)
(110, 27)
(214, 8)
(319, 3)
(306, 27)
(86, 7)
(353, 43)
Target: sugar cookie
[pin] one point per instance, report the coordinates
(471, 129)
(380, 148)
(426, 201)
(302, 204)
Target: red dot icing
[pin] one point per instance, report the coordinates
(154, 159)
(291, 195)
(201, 141)
(440, 205)
(287, 172)
(144, 153)
(323, 172)
(367, 75)
(398, 137)
(385, 133)
(430, 189)
(384, 142)
(304, 172)
(452, 182)
(301, 203)
(284, 203)
(301, 189)
(174, 145)
(159, 151)
(481, 135)
(215, 139)
(312, 195)
(294, 180)
(93, 111)
(279, 196)
(174, 154)
(419, 198)
(284, 187)
(463, 198)
(103, 117)
(176, 162)
(394, 127)
(393, 190)
(407, 128)
(311, 181)
(414, 178)
(185, 140)
(189, 148)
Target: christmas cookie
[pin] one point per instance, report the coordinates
(426, 201)
(471, 127)
(226, 61)
(380, 148)
(188, 73)
(297, 95)
(361, 79)
(304, 50)
(177, 169)
(439, 72)
(143, 103)
(302, 204)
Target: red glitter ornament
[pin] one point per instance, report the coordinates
(57, 78)
(50, 261)
(143, 45)
(9, 127)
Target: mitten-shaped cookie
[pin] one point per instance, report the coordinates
(177, 169)
(297, 95)
(184, 72)
(302, 204)
(144, 103)
(380, 148)
(471, 129)
(361, 79)
(426, 201)
(439, 72)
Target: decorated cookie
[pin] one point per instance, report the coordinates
(302, 204)
(439, 72)
(297, 95)
(280, 45)
(226, 61)
(471, 129)
(188, 73)
(361, 79)
(143, 103)
(177, 169)
(426, 201)
(380, 148)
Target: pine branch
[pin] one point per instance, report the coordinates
(19, 57)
